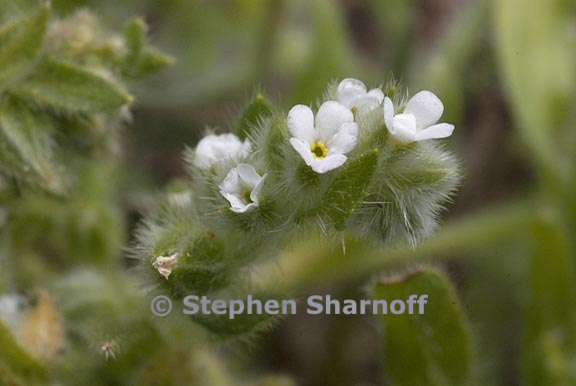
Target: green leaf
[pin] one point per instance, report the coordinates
(26, 147)
(135, 37)
(347, 190)
(253, 115)
(17, 363)
(275, 141)
(151, 61)
(141, 60)
(20, 44)
(315, 259)
(421, 167)
(69, 88)
(550, 336)
(242, 325)
(422, 177)
(432, 348)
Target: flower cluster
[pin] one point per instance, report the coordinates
(324, 142)
(362, 161)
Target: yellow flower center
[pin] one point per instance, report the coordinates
(319, 150)
(246, 197)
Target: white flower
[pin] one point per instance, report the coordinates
(323, 142)
(353, 94)
(213, 149)
(417, 122)
(242, 187)
(166, 264)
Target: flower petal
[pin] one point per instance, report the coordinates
(348, 90)
(248, 175)
(231, 183)
(236, 204)
(245, 208)
(255, 193)
(426, 107)
(388, 112)
(441, 130)
(303, 149)
(404, 128)
(213, 149)
(345, 140)
(329, 163)
(330, 117)
(366, 102)
(301, 123)
(377, 93)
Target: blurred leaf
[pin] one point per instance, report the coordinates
(66, 87)
(16, 362)
(550, 338)
(244, 325)
(135, 37)
(27, 148)
(151, 61)
(396, 23)
(20, 43)
(253, 115)
(84, 229)
(538, 70)
(141, 59)
(330, 53)
(432, 348)
(446, 68)
(318, 260)
(211, 371)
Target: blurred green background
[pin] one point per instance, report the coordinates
(506, 71)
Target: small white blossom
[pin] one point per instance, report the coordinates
(213, 149)
(323, 142)
(417, 122)
(166, 264)
(353, 94)
(242, 187)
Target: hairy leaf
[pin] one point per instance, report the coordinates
(275, 141)
(20, 44)
(26, 146)
(141, 60)
(253, 114)
(69, 88)
(347, 190)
